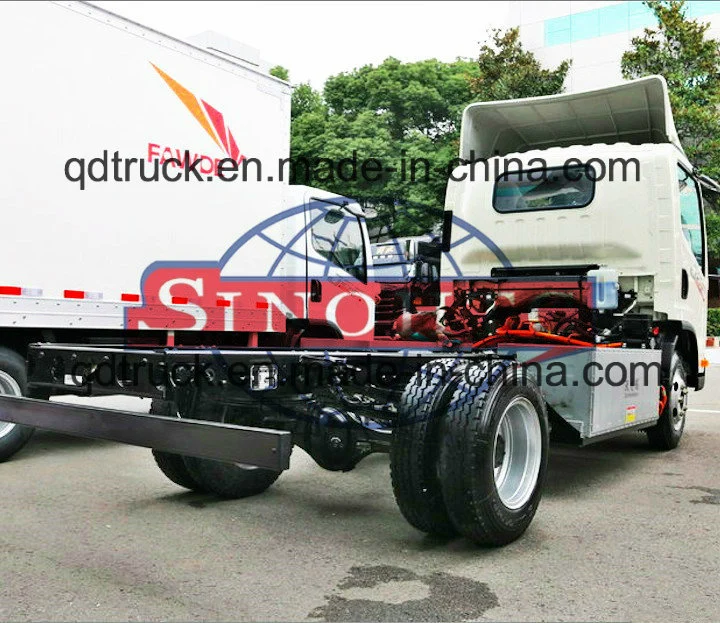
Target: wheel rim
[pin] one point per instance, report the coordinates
(678, 401)
(9, 387)
(517, 453)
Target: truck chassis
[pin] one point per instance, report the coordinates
(467, 431)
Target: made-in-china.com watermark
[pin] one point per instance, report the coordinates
(312, 374)
(166, 164)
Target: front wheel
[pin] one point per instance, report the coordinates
(13, 382)
(666, 434)
(493, 454)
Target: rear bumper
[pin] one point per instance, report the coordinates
(258, 447)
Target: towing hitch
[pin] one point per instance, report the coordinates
(256, 447)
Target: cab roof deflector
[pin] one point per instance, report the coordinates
(635, 112)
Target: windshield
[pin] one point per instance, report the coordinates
(337, 236)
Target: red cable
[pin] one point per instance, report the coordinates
(531, 334)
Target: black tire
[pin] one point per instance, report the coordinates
(470, 442)
(668, 431)
(13, 381)
(414, 449)
(226, 480)
(172, 465)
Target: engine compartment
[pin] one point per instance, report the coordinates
(518, 306)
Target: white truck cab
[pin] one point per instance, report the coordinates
(594, 178)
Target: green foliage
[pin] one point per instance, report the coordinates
(305, 99)
(403, 115)
(712, 224)
(507, 71)
(678, 50)
(425, 97)
(713, 316)
(407, 116)
(280, 72)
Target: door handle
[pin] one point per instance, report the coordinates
(315, 291)
(685, 285)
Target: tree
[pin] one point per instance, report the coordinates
(407, 116)
(425, 96)
(280, 72)
(679, 50)
(400, 115)
(507, 71)
(305, 99)
(712, 225)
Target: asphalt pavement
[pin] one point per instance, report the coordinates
(92, 531)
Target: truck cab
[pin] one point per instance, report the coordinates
(594, 184)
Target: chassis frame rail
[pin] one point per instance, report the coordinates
(257, 447)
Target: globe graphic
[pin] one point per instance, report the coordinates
(280, 255)
(277, 247)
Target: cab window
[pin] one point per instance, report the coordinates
(552, 188)
(337, 236)
(691, 220)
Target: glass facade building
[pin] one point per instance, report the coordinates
(593, 34)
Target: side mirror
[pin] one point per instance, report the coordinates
(334, 216)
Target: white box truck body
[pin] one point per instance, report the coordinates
(87, 244)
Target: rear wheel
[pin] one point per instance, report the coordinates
(227, 480)
(172, 465)
(666, 434)
(13, 382)
(493, 454)
(414, 450)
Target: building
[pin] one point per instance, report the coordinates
(593, 34)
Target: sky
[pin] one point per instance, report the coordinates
(315, 40)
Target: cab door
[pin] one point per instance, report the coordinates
(692, 256)
(337, 267)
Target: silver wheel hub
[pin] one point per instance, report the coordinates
(517, 451)
(9, 387)
(678, 399)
